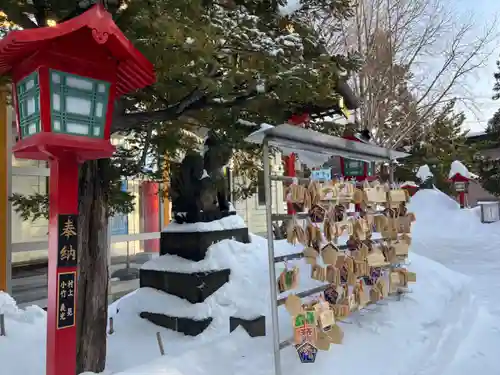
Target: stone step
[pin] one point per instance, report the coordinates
(194, 245)
(254, 327)
(188, 326)
(194, 287)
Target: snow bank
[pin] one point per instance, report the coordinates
(438, 295)
(457, 238)
(421, 321)
(438, 329)
(229, 222)
(440, 217)
(22, 350)
(432, 202)
(7, 304)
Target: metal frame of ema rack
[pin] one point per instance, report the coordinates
(290, 138)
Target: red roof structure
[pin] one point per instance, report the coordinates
(94, 27)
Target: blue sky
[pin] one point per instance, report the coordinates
(483, 11)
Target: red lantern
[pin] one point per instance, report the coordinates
(461, 185)
(65, 81)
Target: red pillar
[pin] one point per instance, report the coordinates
(290, 166)
(151, 213)
(461, 199)
(62, 275)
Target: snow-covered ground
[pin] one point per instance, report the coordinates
(446, 326)
(457, 239)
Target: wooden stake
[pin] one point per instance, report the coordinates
(2, 325)
(111, 328)
(160, 343)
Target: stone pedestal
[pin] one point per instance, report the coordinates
(188, 326)
(194, 245)
(195, 287)
(254, 327)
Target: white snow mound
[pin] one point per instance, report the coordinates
(22, 350)
(422, 321)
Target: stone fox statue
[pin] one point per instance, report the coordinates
(198, 190)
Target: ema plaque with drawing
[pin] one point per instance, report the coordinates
(66, 303)
(67, 241)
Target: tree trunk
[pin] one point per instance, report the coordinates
(92, 308)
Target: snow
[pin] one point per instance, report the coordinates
(448, 325)
(311, 159)
(419, 320)
(7, 303)
(424, 172)
(409, 183)
(228, 222)
(22, 350)
(458, 168)
(261, 87)
(457, 239)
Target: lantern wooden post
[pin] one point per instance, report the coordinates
(62, 275)
(64, 99)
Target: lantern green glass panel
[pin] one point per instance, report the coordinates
(28, 102)
(78, 104)
(354, 168)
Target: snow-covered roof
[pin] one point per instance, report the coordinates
(458, 168)
(409, 183)
(315, 148)
(476, 134)
(424, 172)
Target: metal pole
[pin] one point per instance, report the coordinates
(391, 173)
(270, 247)
(127, 262)
(8, 216)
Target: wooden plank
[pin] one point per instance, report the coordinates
(299, 255)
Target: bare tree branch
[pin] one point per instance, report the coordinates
(418, 56)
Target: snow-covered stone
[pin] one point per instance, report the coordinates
(228, 222)
(424, 172)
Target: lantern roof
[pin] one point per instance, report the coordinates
(134, 70)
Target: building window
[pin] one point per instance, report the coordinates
(261, 189)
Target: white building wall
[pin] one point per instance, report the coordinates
(253, 212)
